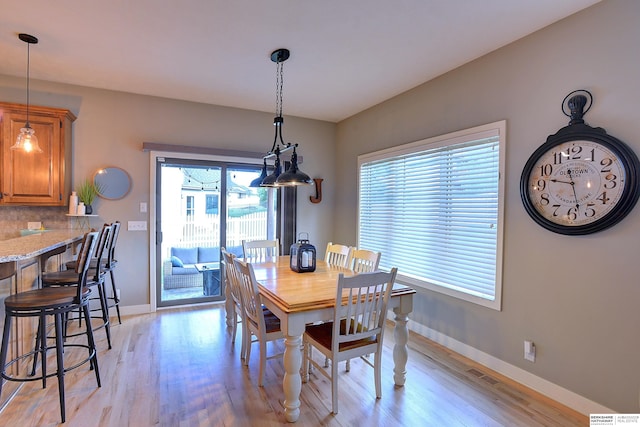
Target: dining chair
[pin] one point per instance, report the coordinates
(260, 249)
(337, 255)
(363, 260)
(57, 302)
(96, 279)
(357, 328)
(231, 278)
(260, 321)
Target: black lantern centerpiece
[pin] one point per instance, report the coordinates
(303, 255)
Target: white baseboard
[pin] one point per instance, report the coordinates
(559, 394)
(132, 310)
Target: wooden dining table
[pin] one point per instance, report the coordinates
(299, 299)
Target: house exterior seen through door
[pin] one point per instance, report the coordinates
(202, 206)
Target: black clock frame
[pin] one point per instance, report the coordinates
(577, 130)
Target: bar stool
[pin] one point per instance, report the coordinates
(57, 302)
(109, 266)
(96, 278)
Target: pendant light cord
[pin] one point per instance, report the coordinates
(28, 68)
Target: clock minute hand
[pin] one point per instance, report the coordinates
(573, 187)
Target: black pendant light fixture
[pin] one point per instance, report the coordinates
(293, 175)
(27, 140)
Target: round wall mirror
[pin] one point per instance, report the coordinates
(112, 183)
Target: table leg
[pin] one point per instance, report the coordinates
(292, 382)
(400, 351)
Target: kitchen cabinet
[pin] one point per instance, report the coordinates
(35, 179)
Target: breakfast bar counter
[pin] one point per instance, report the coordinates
(34, 245)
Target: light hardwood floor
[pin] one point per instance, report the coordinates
(178, 368)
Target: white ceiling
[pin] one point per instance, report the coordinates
(346, 55)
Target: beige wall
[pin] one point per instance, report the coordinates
(110, 130)
(576, 297)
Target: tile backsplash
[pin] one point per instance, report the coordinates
(15, 218)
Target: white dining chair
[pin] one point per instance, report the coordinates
(260, 249)
(231, 280)
(357, 328)
(363, 260)
(337, 255)
(259, 321)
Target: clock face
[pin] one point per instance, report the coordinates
(576, 183)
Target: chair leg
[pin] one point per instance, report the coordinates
(37, 350)
(263, 362)
(105, 311)
(4, 348)
(116, 300)
(93, 352)
(334, 386)
(247, 355)
(377, 368)
(245, 336)
(60, 360)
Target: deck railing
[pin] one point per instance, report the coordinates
(206, 230)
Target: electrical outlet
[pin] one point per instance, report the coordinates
(137, 225)
(530, 351)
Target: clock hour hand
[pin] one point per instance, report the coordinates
(563, 182)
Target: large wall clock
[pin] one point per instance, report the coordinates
(581, 180)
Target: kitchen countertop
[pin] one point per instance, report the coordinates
(34, 245)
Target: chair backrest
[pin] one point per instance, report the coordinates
(251, 301)
(361, 306)
(260, 249)
(337, 255)
(364, 260)
(89, 243)
(101, 250)
(231, 277)
(111, 255)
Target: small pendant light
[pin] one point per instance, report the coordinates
(27, 140)
(293, 176)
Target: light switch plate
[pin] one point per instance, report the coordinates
(137, 225)
(36, 225)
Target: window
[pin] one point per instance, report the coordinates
(211, 201)
(190, 208)
(433, 208)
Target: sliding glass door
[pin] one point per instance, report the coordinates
(201, 206)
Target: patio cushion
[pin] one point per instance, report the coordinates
(186, 255)
(176, 262)
(208, 254)
(178, 271)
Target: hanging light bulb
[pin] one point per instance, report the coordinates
(27, 140)
(293, 176)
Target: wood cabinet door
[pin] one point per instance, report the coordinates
(32, 178)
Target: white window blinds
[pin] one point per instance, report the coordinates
(433, 209)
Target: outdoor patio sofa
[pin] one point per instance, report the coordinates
(179, 269)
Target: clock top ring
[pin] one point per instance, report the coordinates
(581, 180)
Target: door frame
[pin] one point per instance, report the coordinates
(154, 263)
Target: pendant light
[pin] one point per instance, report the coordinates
(27, 140)
(293, 176)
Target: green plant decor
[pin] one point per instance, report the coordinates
(87, 192)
